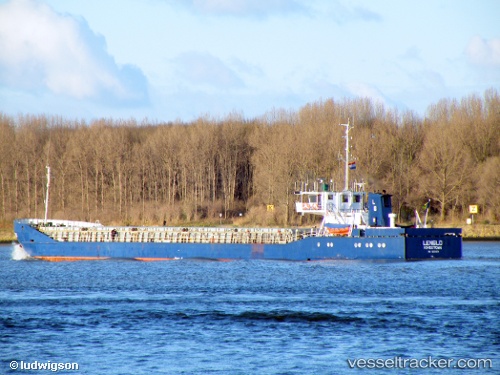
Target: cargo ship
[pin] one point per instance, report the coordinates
(355, 225)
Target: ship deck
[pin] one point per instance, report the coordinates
(175, 234)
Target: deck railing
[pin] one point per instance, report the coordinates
(175, 234)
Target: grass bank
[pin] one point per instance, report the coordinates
(6, 233)
(481, 232)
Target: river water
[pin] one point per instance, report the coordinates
(251, 316)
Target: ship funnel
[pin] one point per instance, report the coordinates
(379, 208)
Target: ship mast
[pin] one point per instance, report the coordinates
(347, 128)
(47, 194)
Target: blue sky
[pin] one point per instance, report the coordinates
(169, 60)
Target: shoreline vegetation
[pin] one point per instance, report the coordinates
(230, 170)
(473, 232)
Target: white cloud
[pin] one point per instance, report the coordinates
(345, 12)
(483, 52)
(243, 8)
(364, 90)
(47, 51)
(412, 53)
(201, 69)
(246, 68)
(427, 78)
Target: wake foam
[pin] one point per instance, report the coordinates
(19, 253)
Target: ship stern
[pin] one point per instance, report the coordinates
(433, 243)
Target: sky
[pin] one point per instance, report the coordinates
(178, 60)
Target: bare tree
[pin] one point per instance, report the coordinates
(7, 139)
(445, 168)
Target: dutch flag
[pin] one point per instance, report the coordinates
(352, 165)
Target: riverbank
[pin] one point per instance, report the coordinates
(6, 236)
(476, 232)
(489, 232)
(7, 232)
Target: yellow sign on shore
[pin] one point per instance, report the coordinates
(473, 209)
(270, 207)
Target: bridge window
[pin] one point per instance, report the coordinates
(345, 198)
(387, 201)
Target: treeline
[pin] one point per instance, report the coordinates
(126, 172)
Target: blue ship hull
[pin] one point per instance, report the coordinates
(370, 243)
